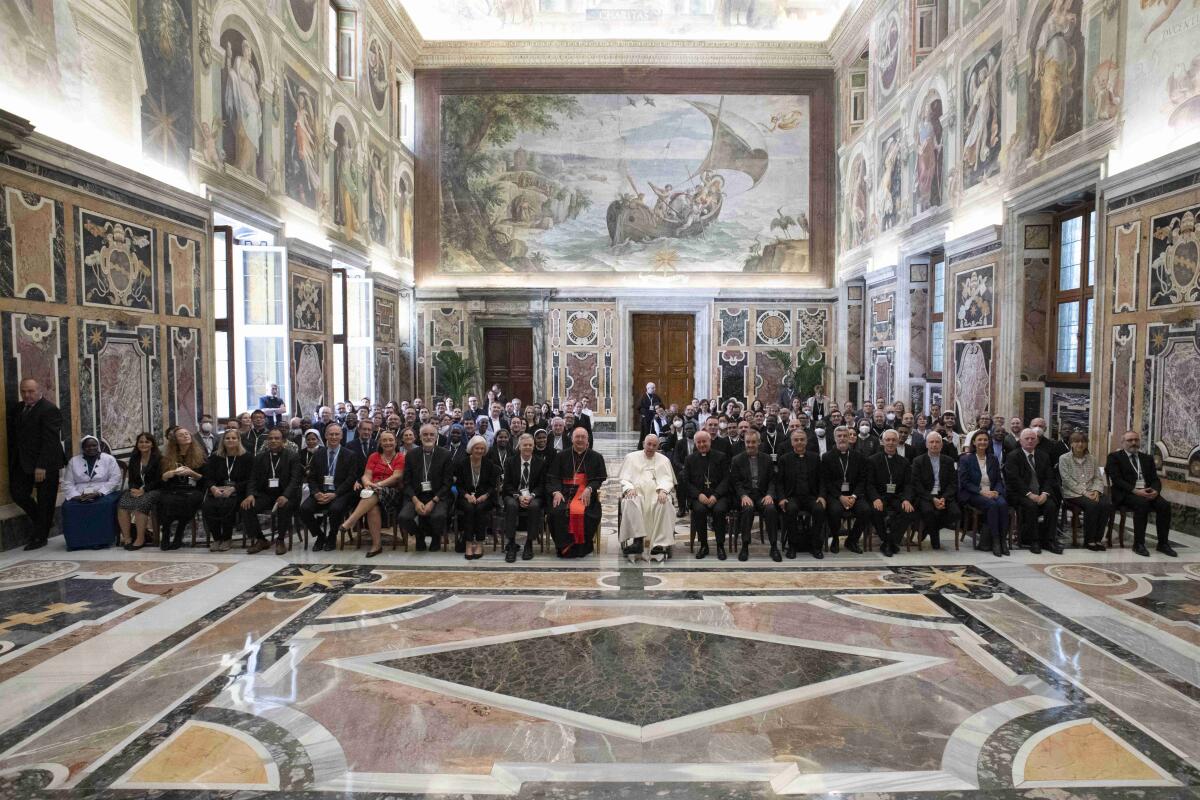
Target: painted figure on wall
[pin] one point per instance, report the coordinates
(241, 106)
(347, 186)
(304, 12)
(377, 75)
(377, 199)
(405, 204)
(1056, 88)
(858, 208)
(889, 181)
(165, 37)
(981, 118)
(927, 189)
(302, 175)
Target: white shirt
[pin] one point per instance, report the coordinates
(105, 477)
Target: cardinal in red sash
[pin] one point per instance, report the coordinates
(574, 482)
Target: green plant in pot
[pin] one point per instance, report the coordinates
(807, 371)
(456, 375)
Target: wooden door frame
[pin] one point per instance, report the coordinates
(535, 322)
(483, 367)
(700, 309)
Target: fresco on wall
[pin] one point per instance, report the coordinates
(304, 15)
(624, 183)
(928, 181)
(1056, 58)
(375, 76)
(975, 298)
(1103, 76)
(971, 9)
(886, 54)
(404, 208)
(241, 103)
(377, 198)
(889, 183)
(116, 263)
(858, 209)
(981, 117)
(301, 123)
(40, 43)
(165, 37)
(972, 378)
(347, 181)
(1175, 258)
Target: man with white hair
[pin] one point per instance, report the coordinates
(647, 479)
(647, 406)
(889, 491)
(935, 487)
(1030, 481)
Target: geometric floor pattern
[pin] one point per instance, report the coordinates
(947, 675)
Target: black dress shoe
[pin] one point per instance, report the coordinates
(721, 552)
(818, 554)
(702, 552)
(331, 545)
(35, 544)
(776, 556)
(833, 545)
(885, 551)
(853, 548)
(1096, 547)
(420, 544)
(1140, 550)
(789, 551)
(1035, 549)
(1055, 549)
(997, 550)
(1167, 550)
(744, 553)
(527, 552)
(1004, 548)
(510, 554)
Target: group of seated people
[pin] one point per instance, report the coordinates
(503, 463)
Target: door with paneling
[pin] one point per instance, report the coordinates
(508, 361)
(664, 353)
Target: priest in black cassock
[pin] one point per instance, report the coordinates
(574, 482)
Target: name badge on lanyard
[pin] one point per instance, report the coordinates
(890, 488)
(426, 486)
(845, 487)
(328, 481)
(272, 483)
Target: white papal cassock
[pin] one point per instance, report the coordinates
(642, 515)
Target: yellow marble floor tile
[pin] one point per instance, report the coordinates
(355, 605)
(201, 754)
(917, 604)
(1085, 752)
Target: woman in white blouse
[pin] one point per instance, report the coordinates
(91, 490)
(1083, 488)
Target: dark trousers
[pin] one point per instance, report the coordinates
(768, 514)
(891, 523)
(702, 515)
(409, 520)
(791, 523)
(835, 513)
(1141, 508)
(1038, 523)
(219, 514)
(934, 520)
(995, 514)
(534, 519)
(263, 504)
(474, 519)
(1096, 514)
(36, 500)
(338, 508)
(560, 529)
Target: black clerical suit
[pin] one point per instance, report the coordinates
(755, 483)
(679, 456)
(427, 475)
(707, 474)
(774, 445)
(1123, 474)
(35, 442)
(363, 446)
(646, 406)
(799, 485)
(844, 475)
(347, 469)
(560, 477)
(524, 479)
(889, 480)
(925, 489)
(1021, 480)
(274, 475)
(814, 446)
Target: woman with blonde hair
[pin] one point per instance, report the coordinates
(226, 476)
(379, 485)
(181, 495)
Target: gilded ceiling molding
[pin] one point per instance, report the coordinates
(852, 31)
(402, 29)
(624, 53)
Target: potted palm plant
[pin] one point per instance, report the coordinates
(807, 371)
(456, 376)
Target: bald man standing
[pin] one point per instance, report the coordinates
(35, 456)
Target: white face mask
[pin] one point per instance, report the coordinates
(206, 427)
(864, 429)
(891, 417)
(677, 423)
(819, 431)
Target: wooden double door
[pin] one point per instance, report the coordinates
(664, 353)
(508, 361)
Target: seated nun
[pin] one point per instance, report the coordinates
(91, 491)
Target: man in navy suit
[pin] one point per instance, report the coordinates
(1031, 482)
(1136, 487)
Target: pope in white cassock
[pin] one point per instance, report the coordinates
(646, 509)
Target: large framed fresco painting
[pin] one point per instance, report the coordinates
(981, 129)
(629, 181)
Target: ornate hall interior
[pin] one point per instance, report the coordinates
(893, 225)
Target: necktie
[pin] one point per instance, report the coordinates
(525, 474)
(1033, 481)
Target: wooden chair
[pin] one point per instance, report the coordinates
(1068, 506)
(1113, 519)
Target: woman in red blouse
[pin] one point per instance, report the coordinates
(384, 472)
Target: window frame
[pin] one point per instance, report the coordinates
(860, 68)
(341, 389)
(936, 258)
(340, 34)
(1086, 292)
(226, 325)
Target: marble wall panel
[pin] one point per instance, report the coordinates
(116, 263)
(972, 378)
(182, 276)
(854, 339)
(1175, 259)
(385, 373)
(1171, 387)
(768, 378)
(185, 389)
(33, 259)
(1126, 266)
(581, 377)
(975, 298)
(882, 376)
(447, 327)
(385, 316)
(731, 326)
(1124, 358)
(1034, 354)
(36, 346)
(918, 331)
(582, 328)
(1069, 408)
(308, 303)
(773, 328)
(916, 397)
(883, 318)
(812, 327)
(405, 358)
(123, 375)
(308, 376)
(733, 365)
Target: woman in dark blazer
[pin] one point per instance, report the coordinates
(138, 502)
(981, 486)
(477, 481)
(226, 476)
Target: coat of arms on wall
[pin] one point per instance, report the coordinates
(308, 304)
(1175, 259)
(117, 263)
(974, 298)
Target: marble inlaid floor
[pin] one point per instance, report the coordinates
(949, 674)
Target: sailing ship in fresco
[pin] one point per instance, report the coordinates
(683, 213)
